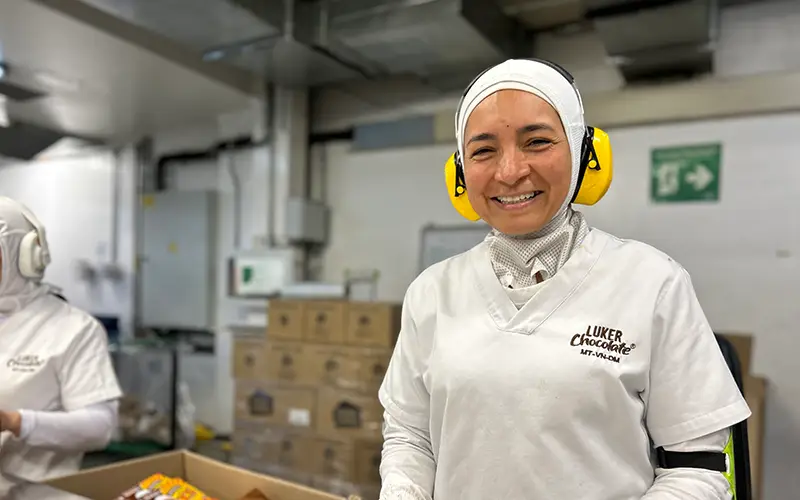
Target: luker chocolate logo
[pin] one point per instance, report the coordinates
(602, 342)
(25, 363)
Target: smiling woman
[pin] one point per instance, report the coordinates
(552, 360)
(517, 162)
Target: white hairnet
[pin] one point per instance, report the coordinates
(16, 291)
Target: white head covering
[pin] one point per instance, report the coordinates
(517, 259)
(16, 291)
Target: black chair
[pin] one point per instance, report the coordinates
(741, 447)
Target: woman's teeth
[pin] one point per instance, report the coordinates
(508, 200)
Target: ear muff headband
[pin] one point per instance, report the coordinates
(34, 254)
(595, 173)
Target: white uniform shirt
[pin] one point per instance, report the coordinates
(53, 357)
(560, 398)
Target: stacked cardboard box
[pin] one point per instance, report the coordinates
(755, 392)
(306, 396)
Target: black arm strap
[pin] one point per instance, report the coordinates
(709, 460)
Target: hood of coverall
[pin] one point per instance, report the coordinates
(16, 291)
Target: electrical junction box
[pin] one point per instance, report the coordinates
(262, 273)
(307, 221)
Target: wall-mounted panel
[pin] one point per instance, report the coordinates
(178, 262)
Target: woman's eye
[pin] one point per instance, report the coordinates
(480, 151)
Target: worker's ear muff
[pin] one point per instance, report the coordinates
(596, 168)
(34, 255)
(457, 188)
(594, 176)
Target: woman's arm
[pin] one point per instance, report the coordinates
(407, 464)
(692, 484)
(409, 461)
(692, 398)
(86, 429)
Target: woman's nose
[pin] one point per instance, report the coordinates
(513, 167)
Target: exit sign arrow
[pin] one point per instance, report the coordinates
(700, 177)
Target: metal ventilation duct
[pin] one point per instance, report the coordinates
(657, 39)
(317, 42)
(426, 38)
(340, 40)
(22, 141)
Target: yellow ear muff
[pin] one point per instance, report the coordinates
(457, 189)
(597, 169)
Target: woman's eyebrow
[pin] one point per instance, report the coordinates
(481, 137)
(532, 127)
(535, 127)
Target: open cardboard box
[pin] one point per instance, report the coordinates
(215, 479)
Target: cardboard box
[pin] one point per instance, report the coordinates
(248, 444)
(287, 363)
(356, 461)
(289, 451)
(325, 321)
(372, 369)
(337, 487)
(353, 368)
(743, 344)
(248, 358)
(348, 415)
(265, 403)
(285, 319)
(213, 478)
(373, 324)
(755, 392)
(332, 459)
(368, 462)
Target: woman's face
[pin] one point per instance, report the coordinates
(517, 163)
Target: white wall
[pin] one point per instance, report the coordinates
(743, 252)
(73, 196)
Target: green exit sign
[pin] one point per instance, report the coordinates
(685, 173)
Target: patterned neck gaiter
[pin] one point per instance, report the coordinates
(517, 260)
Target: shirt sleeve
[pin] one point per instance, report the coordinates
(407, 464)
(691, 392)
(86, 429)
(86, 374)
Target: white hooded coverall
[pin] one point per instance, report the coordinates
(54, 366)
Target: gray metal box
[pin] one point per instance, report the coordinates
(307, 221)
(178, 261)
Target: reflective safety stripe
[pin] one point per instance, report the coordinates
(730, 474)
